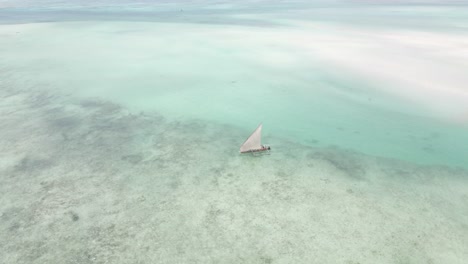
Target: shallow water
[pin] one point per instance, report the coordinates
(121, 127)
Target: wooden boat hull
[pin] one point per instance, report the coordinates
(255, 151)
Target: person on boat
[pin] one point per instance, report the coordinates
(265, 147)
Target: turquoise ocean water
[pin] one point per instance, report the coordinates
(121, 124)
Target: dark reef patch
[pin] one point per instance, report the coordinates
(74, 216)
(32, 164)
(341, 160)
(66, 122)
(101, 106)
(133, 159)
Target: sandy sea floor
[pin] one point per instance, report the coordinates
(119, 139)
(87, 181)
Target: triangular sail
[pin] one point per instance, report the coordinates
(254, 141)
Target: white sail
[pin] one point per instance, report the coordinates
(254, 141)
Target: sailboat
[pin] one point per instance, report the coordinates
(253, 143)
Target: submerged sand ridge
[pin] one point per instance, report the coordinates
(87, 180)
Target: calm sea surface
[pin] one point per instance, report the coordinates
(121, 124)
